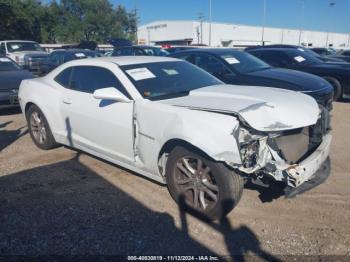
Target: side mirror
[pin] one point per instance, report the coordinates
(110, 93)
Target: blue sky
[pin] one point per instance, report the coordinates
(280, 13)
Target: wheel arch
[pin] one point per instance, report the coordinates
(43, 109)
(170, 144)
(27, 106)
(334, 80)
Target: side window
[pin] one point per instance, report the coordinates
(67, 57)
(60, 58)
(138, 51)
(186, 57)
(126, 51)
(276, 59)
(2, 49)
(210, 64)
(90, 78)
(55, 58)
(346, 53)
(122, 52)
(63, 78)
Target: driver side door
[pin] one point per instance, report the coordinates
(102, 126)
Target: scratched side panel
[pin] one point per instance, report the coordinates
(158, 123)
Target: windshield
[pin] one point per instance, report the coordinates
(163, 80)
(23, 46)
(302, 57)
(7, 64)
(154, 51)
(243, 62)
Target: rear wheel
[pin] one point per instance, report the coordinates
(39, 129)
(202, 184)
(338, 91)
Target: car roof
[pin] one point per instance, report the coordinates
(140, 46)
(72, 50)
(208, 50)
(273, 49)
(124, 60)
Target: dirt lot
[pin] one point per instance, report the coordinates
(65, 202)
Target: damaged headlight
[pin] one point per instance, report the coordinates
(249, 154)
(249, 147)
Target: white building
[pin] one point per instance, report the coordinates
(222, 34)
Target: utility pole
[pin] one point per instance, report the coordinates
(263, 25)
(198, 34)
(302, 19)
(210, 20)
(331, 4)
(349, 41)
(136, 22)
(200, 18)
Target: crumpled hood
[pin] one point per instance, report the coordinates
(263, 108)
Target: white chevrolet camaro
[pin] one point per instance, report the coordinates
(174, 123)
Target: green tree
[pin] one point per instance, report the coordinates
(20, 19)
(65, 21)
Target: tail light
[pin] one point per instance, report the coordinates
(17, 59)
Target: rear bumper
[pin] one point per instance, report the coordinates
(308, 169)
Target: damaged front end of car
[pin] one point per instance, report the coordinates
(292, 157)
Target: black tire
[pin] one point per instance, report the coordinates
(49, 141)
(338, 90)
(228, 183)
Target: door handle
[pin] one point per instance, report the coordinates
(67, 101)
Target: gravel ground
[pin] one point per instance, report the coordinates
(65, 202)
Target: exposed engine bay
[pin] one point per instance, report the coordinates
(285, 156)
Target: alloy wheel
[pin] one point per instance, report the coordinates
(37, 127)
(196, 182)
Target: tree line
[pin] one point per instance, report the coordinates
(66, 21)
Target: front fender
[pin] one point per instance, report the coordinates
(212, 133)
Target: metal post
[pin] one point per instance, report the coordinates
(149, 36)
(349, 41)
(263, 26)
(200, 17)
(210, 22)
(282, 38)
(137, 23)
(331, 4)
(302, 19)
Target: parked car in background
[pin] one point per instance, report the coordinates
(27, 54)
(324, 58)
(241, 68)
(175, 49)
(338, 75)
(11, 76)
(60, 56)
(343, 55)
(140, 50)
(170, 121)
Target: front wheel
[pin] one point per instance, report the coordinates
(39, 129)
(202, 184)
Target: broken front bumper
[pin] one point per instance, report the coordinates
(307, 169)
(318, 178)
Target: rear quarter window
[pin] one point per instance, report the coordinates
(63, 78)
